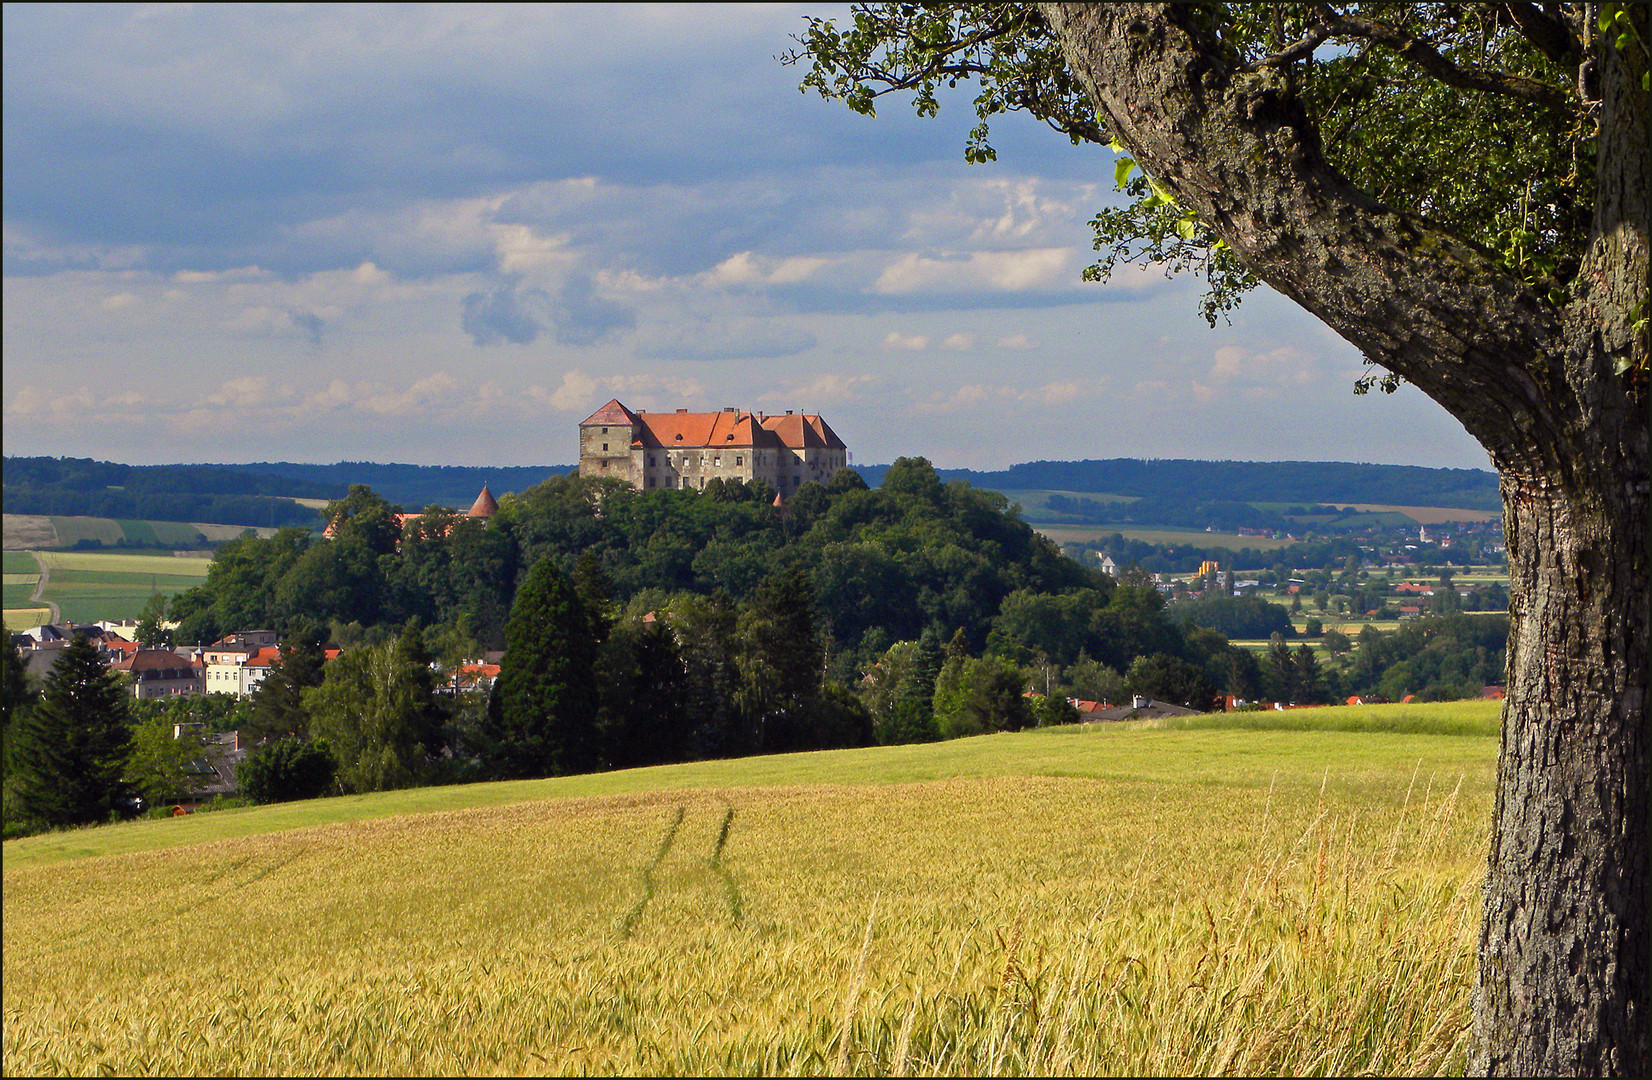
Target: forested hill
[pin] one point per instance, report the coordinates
(414, 487)
(1337, 482)
(43, 485)
(82, 487)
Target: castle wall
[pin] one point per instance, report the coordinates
(605, 450)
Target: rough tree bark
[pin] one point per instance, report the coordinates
(1566, 950)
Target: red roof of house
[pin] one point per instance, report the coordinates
(142, 661)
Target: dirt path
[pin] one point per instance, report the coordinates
(37, 596)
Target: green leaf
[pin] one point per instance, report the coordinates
(1185, 228)
(1121, 170)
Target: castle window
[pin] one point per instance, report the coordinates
(605, 431)
(739, 459)
(605, 447)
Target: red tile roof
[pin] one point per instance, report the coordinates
(725, 429)
(612, 413)
(485, 505)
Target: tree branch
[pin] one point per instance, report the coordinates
(1548, 34)
(1425, 56)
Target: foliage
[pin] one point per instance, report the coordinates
(278, 709)
(377, 711)
(286, 770)
(1249, 617)
(543, 714)
(149, 629)
(164, 761)
(70, 754)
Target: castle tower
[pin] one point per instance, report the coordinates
(605, 439)
(485, 505)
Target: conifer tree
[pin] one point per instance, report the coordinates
(542, 717)
(278, 704)
(782, 660)
(914, 707)
(71, 751)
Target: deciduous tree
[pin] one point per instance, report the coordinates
(1461, 192)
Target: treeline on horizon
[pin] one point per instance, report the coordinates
(82, 487)
(1229, 482)
(1169, 492)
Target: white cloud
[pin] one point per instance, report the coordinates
(961, 342)
(118, 301)
(748, 268)
(909, 342)
(244, 390)
(961, 399)
(833, 387)
(1065, 393)
(1007, 271)
(1286, 365)
(575, 392)
(520, 249)
(1018, 342)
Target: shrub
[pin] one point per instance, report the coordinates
(286, 770)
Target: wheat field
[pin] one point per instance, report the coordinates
(1096, 902)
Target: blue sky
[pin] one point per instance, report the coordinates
(444, 235)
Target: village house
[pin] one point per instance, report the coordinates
(160, 673)
(686, 450)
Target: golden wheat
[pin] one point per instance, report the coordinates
(1003, 925)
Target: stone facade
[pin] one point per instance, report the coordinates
(686, 450)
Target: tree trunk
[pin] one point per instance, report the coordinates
(1565, 977)
(1565, 954)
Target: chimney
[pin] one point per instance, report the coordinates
(788, 412)
(681, 411)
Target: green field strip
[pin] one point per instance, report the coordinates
(118, 578)
(72, 530)
(21, 562)
(17, 593)
(123, 563)
(180, 533)
(137, 532)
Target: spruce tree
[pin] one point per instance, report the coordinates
(278, 708)
(542, 717)
(71, 751)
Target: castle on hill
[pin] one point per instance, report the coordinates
(685, 450)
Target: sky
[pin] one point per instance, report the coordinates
(445, 235)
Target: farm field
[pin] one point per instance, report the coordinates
(1089, 534)
(35, 531)
(88, 586)
(1243, 894)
